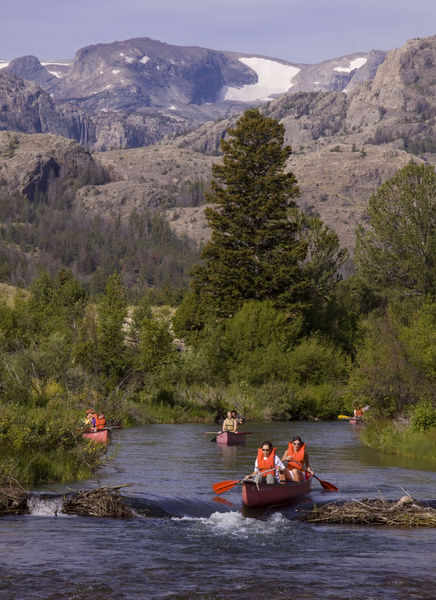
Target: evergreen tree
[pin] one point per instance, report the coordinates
(255, 251)
(398, 251)
(325, 258)
(112, 312)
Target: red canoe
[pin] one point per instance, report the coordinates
(228, 438)
(103, 436)
(355, 421)
(275, 493)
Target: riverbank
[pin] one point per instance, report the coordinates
(397, 437)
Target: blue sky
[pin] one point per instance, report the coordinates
(305, 31)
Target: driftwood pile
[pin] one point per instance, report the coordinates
(101, 502)
(404, 513)
(13, 498)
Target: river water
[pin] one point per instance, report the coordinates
(208, 549)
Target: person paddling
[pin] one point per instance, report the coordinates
(100, 422)
(239, 420)
(90, 420)
(267, 466)
(298, 460)
(229, 423)
(358, 413)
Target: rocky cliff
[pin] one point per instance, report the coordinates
(45, 163)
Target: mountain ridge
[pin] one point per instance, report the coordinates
(344, 146)
(184, 83)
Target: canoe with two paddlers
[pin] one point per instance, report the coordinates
(102, 436)
(231, 438)
(274, 493)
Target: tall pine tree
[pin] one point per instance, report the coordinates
(255, 251)
(398, 251)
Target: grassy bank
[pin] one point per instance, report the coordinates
(396, 437)
(35, 467)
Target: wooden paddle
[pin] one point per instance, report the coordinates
(328, 487)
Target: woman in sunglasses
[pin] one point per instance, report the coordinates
(298, 460)
(267, 466)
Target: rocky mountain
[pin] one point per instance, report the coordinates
(344, 144)
(141, 73)
(168, 88)
(27, 108)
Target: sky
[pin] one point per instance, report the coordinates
(301, 31)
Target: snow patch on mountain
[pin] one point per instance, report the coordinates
(354, 64)
(273, 78)
(3, 64)
(63, 63)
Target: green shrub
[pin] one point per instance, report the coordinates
(319, 401)
(394, 367)
(315, 361)
(423, 416)
(262, 365)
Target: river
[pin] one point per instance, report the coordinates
(209, 549)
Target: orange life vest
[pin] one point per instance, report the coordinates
(100, 423)
(265, 464)
(296, 455)
(359, 412)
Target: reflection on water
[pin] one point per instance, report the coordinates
(211, 547)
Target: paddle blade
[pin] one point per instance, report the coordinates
(328, 487)
(344, 417)
(223, 486)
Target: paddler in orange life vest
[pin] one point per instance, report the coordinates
(298, 460)
(358, 413)
(100, 422)
(267, 465)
